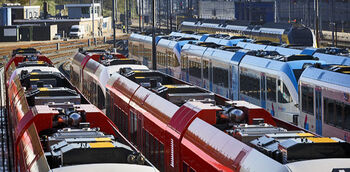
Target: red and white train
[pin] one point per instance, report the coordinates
(181, 127)
(54, 128)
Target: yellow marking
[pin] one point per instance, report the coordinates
(305, 134)
(170, 86)
(136, 71)
(43, 89)
(101, 145)
(341, 66)
(34, 79)
(34, 73)
(139, 77)
(105, 139)
(322, 140)
(40, 62)
(346, 72)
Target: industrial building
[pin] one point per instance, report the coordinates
(332, 13)
(27, 25)
(11, 12)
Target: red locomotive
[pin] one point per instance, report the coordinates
(181, 127)
(54, 127)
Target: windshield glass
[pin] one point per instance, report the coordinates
(74, 30)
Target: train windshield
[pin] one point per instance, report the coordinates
(301, 36)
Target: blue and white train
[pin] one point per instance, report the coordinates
(264, 78)
(325, 100)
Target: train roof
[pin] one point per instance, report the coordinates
(335, 75)
(226, 41)
(136, 37)
(186, 35)
(332, 59)
(224, 56)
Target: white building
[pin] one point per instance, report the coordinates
(77, 11)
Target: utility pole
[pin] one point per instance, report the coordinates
(154, 55)
(158, 16)
(116, 11)
(316, 22)
(142, 15)
(139, 8)
(113, 21)
(171, 15)
(332, 22)
(129, 14)
(167, 15)
(93, 19)
(126, 23)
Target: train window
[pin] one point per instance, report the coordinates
(101, 98)
(187, 168)
(174, 61)
(307, 100)
(249, 85)
(122, 119)
(283, 93)
(339, 114)
(108, 105)
(133, 127)
(205, 69)
(156, 153)
(329, 111)
(184, 63)
(220, 76)
(153, 150)
(347, 117)
(194, 69)
(271, 88)
(161, 152)
(147, 144)
(139, 138)
(184, 167)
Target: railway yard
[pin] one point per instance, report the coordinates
(188, 115)
(60, 53)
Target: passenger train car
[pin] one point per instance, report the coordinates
(226, 70)
(330, 55)
(291, 34)
(325, 105)
(96, 92)
(181, 127)
(54, 128)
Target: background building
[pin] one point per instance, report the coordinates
(332, 13)
(217, 10)
(11, 12)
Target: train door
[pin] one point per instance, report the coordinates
(139, 131)
(263, 91)
(318, 110)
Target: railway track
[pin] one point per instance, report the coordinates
(49, 47)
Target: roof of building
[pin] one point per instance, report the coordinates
(81, 5)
